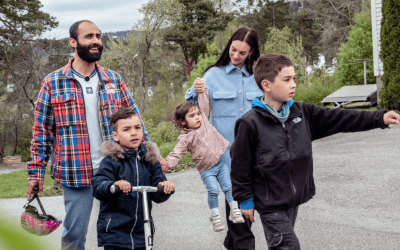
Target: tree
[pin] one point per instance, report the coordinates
(23, 20)
(24, 61)
(222, 38)
(390, 54)
(358, 46)
(204, 62)
(197, 23)
(282, 42)
(143, 71)
(271, 14)
(303, 24)
(334, 20)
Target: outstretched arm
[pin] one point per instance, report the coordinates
(325, 122)
(177, 154)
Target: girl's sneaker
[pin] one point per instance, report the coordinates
(217, 223)
(236, 216)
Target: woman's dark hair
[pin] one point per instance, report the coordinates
(180, 112)
(242, 34)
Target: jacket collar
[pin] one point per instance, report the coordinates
(294, 110)
(230, 67)
(141, 152)
(103, 73)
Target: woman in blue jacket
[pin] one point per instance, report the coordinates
(232, 88)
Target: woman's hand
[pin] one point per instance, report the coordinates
(199, 85)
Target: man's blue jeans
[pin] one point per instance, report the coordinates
(78, 204)
(219, 173)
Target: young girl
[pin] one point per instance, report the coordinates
(202, 139)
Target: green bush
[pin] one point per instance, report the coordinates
(390, 54)
(358, 46)
(23, 149)
(320, 86)
(162, 132)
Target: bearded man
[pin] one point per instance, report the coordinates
(71, 121)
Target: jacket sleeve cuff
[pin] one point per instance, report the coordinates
(36, 175)
(247, 204)
(191, 95)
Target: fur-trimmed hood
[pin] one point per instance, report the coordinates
(147, 149)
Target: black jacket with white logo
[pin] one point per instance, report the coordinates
(272, 161)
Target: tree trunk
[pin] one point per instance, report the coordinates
(189, 66)
(16, 141)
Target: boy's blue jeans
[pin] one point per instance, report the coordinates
(219, 173)
(78, 204)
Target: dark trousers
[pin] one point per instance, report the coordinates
(239, 235)
(118, 248)
(279, 229)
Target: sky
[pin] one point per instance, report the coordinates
(108, 15)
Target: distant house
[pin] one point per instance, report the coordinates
(10, 88)
(376, 17)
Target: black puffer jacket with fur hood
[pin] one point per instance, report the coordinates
(120, 221)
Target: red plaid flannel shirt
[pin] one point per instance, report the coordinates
(60, 130)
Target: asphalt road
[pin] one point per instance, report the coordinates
(357, 205)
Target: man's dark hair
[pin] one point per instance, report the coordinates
(180, 112)
(122, 113)
(73, 30)
(268, 67)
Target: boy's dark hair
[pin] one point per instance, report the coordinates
(122, 113)
(268, 67)
(73, 30)
(242, 34)
(180, 111)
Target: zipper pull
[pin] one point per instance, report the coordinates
(284, 127)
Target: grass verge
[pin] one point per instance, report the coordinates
(15, 185)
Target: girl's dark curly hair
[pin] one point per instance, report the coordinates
(180, 111)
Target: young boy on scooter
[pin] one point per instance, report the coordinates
(129, 162)
(272, 161)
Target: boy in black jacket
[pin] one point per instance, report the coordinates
(272, 165)
(128, 162)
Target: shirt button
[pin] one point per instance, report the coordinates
(239, 72)
(241, 110)
(240, 91)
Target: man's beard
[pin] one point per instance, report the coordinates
(84, 53)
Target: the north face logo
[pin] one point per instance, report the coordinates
(297, 120)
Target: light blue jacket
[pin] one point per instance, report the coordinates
(231, 91)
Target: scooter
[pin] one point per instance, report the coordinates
(146, 215)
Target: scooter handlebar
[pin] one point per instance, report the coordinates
(159, 189)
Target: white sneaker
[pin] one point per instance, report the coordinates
(217, 223)
(236, 216)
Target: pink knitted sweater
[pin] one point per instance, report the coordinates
(205, 143)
